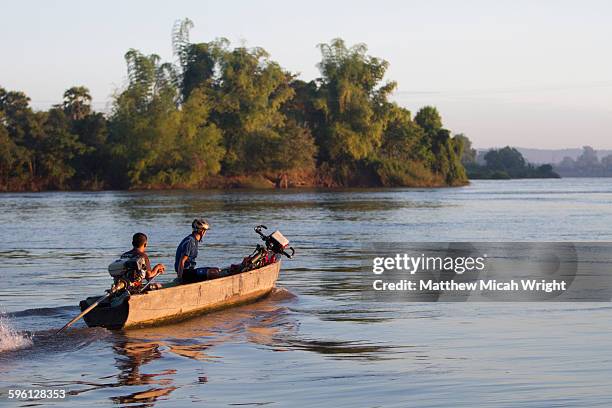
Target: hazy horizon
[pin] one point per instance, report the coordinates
(534, 75)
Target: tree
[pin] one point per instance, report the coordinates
(24, 128)
(200, 142)
(197, 61)
(507, 163)
(446, 151)
(144, 121)
(352, 102)
(468, 154)
(507, 159)
(607, 162)
(588, 158)
(38, 148)
(250, 97)
(350, 85)
(77, 103)
(18, 117)
(429, 119)
(13, 160)
(93, 165)
(249, 94)
(157, 143)
(567, 163)
(403, 156)
(58, 147)
(302, 108)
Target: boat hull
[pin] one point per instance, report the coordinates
(179, 302)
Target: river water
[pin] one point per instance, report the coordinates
(314, 341)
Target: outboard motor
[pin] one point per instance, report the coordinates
(275, 242)
(129, 270)
(275, 245)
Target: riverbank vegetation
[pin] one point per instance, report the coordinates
(229, 117)
(505, 163)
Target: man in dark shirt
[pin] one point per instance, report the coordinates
(187, 252)
(139, 244)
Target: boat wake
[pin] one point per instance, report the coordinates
(60, 311)
(279, 294)
(11, 339)
(45, 339)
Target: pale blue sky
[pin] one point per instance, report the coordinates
(524, 73)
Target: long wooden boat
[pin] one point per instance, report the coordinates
(177, 302)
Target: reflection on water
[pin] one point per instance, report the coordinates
(193, 339)
(358, 350)
(145, 398)
(131, 356)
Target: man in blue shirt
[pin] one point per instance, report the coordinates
(187, 252)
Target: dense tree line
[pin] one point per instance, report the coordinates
(225, 116)
(587, 164)
(505, 163)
